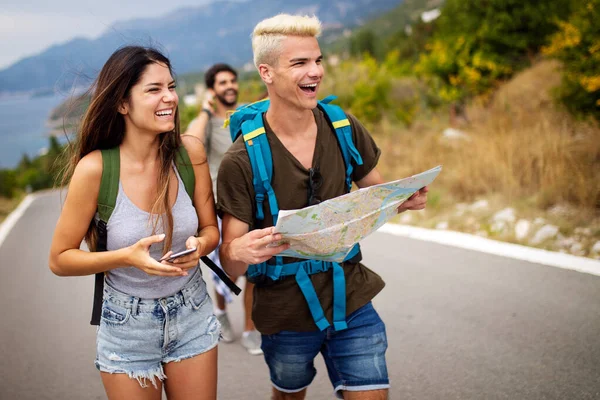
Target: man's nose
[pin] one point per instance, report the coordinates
(316, 70)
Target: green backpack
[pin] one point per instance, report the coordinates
(107, 198)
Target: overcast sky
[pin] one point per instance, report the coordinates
(27, 27)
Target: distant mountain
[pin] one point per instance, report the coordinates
(193, 38)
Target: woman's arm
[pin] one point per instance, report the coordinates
(66, 259)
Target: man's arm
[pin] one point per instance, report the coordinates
(197, 127)
(415, 202)
(242, 247)
(372, 178)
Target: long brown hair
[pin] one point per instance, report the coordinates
(103, 127)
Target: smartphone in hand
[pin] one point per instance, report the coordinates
(174, 256)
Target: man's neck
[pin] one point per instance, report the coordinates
(222, 109)
(289, 122)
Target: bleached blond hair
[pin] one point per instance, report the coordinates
(268, 34)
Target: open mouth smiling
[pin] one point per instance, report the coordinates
(308, 87)
(164, 113)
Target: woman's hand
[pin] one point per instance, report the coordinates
(139, 257)
(191, 260)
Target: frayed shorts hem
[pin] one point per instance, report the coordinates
(153, 373)
(181, 358)
(140, 376)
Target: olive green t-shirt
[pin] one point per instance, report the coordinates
(281, 305)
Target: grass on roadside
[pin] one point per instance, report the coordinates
(8, 205)
(519, 151)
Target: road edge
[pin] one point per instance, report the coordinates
(12, 218)
(484, 245)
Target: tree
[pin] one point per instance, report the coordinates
(577, 45)
(24, 163)
(7, 183)
(410, 45)
(479, 42)
(362, 42)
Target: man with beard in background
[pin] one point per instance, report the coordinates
(221, 97)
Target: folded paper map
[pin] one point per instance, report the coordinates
(328, 231)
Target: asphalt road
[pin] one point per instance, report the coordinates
(461, 325)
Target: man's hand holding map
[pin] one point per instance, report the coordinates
(329, 230)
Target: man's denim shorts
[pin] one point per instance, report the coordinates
(136, 336)
(355, 357)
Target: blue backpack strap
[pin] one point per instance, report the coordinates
(328, 99)
(244, 113)
(301, 270)
(261, 160)
(339, 298)
(314, 305)
(343, 131)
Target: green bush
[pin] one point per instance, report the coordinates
(362, 86)
(364, 42)
(478, 43)
(186, 115)
(577, 45)
(34, 179)
(8, 183)
(33, 174)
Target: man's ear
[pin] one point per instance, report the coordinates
(266, 73)
(123, 108)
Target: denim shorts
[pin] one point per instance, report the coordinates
(136, 336)
(355, 357)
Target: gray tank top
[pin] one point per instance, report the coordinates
(128, 224)
(217, 142)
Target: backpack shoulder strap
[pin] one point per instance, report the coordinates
(261, 160)
(343, 131)
(186, 170)
(242, 114)
(107, 198)
(109, 185)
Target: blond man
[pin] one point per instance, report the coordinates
(308, 167)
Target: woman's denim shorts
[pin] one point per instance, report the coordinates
(136, 336)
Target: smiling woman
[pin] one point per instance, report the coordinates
(152, 103)
(156, 318)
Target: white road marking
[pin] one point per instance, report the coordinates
(472, 242)
(14, 216)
